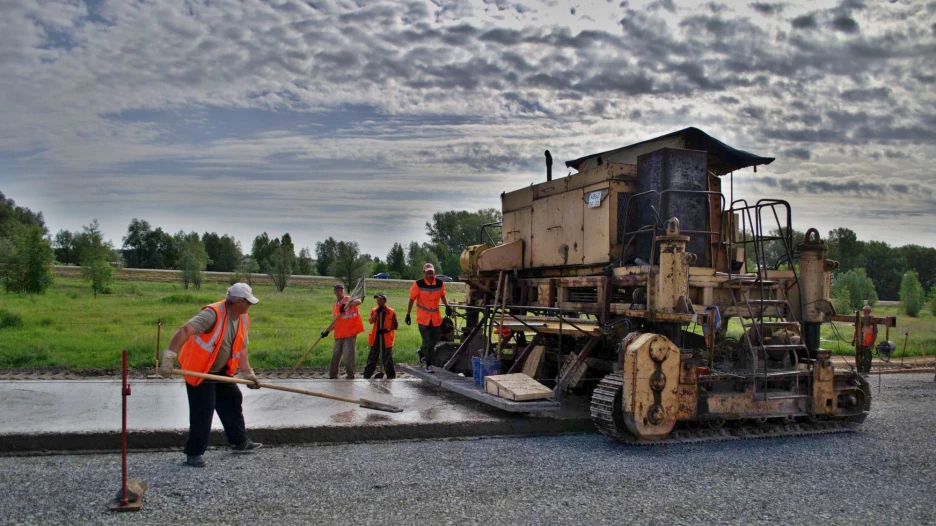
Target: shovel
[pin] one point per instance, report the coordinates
(367, 404)
(290, 373)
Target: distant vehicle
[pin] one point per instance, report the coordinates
(382, 275)
(443, 278)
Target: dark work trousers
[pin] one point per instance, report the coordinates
(386, 360)
(430, 337)
(204, 400)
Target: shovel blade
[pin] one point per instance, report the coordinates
(370, 404)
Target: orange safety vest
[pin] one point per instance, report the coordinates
(349, 323)
(199, 352)
(427, 296)
(867, 333)
(389, 322)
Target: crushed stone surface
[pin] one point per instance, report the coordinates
(883, 474)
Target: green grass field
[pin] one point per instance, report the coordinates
(69, 327)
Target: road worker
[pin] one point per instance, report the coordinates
(864, 340)
(214, 341)
(347, 325)
(426, 294)
(381, 337)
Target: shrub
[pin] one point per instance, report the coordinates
(852, 290)
(932, 300)
(10, 320)
(188, 299)
(911, 294)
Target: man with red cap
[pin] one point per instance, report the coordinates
(426, 294)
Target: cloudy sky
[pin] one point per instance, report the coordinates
(359, 119)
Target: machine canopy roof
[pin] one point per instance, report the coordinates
(722, 158)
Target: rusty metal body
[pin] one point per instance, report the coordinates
(601, 280)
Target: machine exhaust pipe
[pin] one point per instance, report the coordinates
(548, 166)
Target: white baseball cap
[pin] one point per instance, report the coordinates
(242, 290)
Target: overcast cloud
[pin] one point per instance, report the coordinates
(359, 119)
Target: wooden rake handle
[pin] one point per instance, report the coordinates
(228, 379)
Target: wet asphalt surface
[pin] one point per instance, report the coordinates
(884, 474)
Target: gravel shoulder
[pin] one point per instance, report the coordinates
(884, 474)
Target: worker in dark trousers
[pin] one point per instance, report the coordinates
(214, 341)
(863, 340)
(383, 331)
(426, 293)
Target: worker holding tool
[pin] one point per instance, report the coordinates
(864, 341)
(215, 341)
(347, 325)
(426, 294)
(381, 337)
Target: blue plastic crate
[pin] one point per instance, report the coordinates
(481, 367)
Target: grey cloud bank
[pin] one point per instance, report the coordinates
(358, 122)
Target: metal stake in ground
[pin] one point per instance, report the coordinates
(130, 495)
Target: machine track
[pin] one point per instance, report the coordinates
(606, 414)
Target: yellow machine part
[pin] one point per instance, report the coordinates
(651, 380)
(469, 258)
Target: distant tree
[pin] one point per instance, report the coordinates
(12, 215)
(246, 268)
(280, 266)
(932, 300)
(349, 264)
(923, 261)
(193, 259)
(325, 253)
(95, 259)
(305, 265)
(852, 289)
(416, 256)
(228, 254)
(457, 229)
(911, 294)
(886, 266)
(64, 246)
(775, 251)
(843, 246)
(212, 242)
(136, 247)
(261, 250)
(26, 260)
(396, 259)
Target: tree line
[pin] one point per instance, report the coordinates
(868, 270)
(28, 252)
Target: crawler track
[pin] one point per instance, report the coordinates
(606, 405)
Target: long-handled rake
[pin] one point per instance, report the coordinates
(367, 404)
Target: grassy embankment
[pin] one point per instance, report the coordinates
(68, 327)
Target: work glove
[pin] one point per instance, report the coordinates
(248, 374)
(167, 363)
(343, 307)
(408, 320)
(324, 334)
(449, 311)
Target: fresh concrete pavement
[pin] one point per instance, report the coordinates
(86, 414)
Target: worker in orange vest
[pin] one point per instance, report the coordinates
(864, 341)
(426, 294)
(214, 341)
(347, 325)
(381, 337)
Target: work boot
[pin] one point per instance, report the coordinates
(378, 376)
(196, 461)
(246, 446)
(349, 377)
(428, 368)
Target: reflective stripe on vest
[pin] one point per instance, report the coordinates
(192, 357)
(220, 326)
(425, 308)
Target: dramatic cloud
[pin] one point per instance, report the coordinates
(360, 119)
